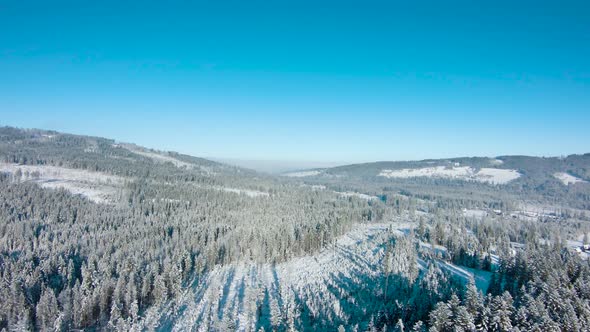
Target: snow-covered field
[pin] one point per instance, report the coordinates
(96, 186)
(164, 157)
(474, 213)
(486, 175)
(533, 211)
(567, 179)
(159, 157)
(302, 174)
(237, 191)
(247, 192)
(343, 193)
(355, 194)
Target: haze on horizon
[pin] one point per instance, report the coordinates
(300, 81)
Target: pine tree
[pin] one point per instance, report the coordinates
(473, 301)
(47, 310)
(501, 312)
(463, 320)
(440, 318)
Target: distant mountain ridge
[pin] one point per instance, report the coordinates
(575, 165)
(550, 180)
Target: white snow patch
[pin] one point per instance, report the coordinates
(96, 186)
(474, 213)
(421, 213)
(247, 192)
(159, 157)
(437, 249)
(486, 175)
(496, 175)
(164, 157)
(574, 243)
(568, 179)
(455, 269)
(355, 194)
(238, 191)
(532, 212)
(302, 174)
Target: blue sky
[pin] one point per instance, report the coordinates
(342, 81)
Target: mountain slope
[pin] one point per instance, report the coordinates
(109, 218)
(563, 181)
(101, 235)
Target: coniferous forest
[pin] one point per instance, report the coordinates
(98, 235)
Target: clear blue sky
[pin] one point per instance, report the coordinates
(304, 80)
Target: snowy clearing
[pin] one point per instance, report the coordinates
(247, 192)
(302, 174)
(238, 191)
(355, 194)
(232, 297)
(486, 175)
(481, 278)
(96, 186)
(533, 212)
(229, 297)
(474, 213)
(161, 157)
(568, 179)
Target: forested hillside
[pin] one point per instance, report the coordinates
(167, 219)
(103, 235)
(563, 181)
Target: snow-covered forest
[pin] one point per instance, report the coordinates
(103, 235)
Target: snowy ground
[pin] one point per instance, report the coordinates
(355, 194)
(343, 193)
(96, 186)
(161, 157)
(578, 247)
(486, 175)
(302, 174)
(230, 296)
(567, 179)
(481, 278)
(474, 213)
(533, 211)
(247, 192)
(237, 191)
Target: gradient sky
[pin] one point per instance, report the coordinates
(303, 80)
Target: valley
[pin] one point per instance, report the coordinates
(124, 238)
